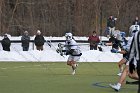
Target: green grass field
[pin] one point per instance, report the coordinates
(21, 77)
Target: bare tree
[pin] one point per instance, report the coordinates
(55, 17)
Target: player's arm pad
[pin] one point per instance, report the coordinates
(64, 50)
(69, 52)
(77, 54)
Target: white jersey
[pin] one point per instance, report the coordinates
(127, 47)
(72, 44)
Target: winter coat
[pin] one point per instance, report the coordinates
(6, 43)
(39, 40)
(111, 22)
(25, 40)
(136, 22)
(93, 40)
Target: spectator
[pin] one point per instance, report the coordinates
(25, 39)
(39, 41)
(6, 43)
(111, 23)
(136, 21)
(93, 40)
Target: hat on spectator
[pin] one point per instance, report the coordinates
(38, 32)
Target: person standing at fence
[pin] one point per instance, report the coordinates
(135, 52)
(6, 43)
(25, 40)
(111, 23)
(93, 40)
(136, 21)
(39, 41)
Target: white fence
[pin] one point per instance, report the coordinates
(49, 54)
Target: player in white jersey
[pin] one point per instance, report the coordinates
(117, 87)
(125, 52)
(125, 49)
(73, 50)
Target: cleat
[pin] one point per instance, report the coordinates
(73, 73)
(115, 87)
(119, 74)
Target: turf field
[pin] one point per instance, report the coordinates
(23, 77)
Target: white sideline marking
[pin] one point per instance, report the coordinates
(37, 65)
(16, 67)
(22, 66)
(3, 68)
(3, 76)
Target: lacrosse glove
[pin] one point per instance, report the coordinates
(113, 50)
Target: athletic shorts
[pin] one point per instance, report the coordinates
(73, 58)
(135, 62)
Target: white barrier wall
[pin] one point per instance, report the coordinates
(50, 55)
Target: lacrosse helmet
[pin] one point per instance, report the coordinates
(122, 34)
(133, 29)
(68, 36)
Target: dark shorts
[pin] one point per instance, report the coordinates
(125, 56)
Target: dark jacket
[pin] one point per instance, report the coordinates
(116, 43)
(136, 22)
(39, 40)
(111, 22)
(6, 43)
(25, 39)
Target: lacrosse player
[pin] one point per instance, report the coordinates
(73, 50)
(134, 75)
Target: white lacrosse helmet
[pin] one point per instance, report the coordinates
(133, 29)
(68, 36)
